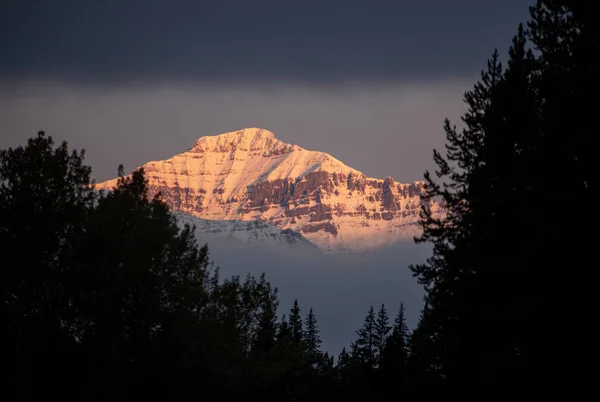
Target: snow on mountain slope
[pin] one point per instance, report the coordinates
(249, 175)
(242, 231)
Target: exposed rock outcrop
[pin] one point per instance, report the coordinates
(251, 175)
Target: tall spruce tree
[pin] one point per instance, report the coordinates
(364, 348)
(529, 128)
(266, 332)
(380, 333)
(423, 365)
(284, 334)
(295, 323)
(311, 338)
(448, 275)
(394, 358)
(486, 169)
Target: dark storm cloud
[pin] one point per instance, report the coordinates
(235, 41)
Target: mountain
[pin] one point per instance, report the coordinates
(249, 175)
(242, 231)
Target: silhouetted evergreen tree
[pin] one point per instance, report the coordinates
(320, 373)
(284, 335)
(423, 365)
(295, 323)
(267, 323)
(380, 333)
(264, 362)
(357, 367)
(489, 311)
(343, 360)
(311, 337)
(394, 357)
(364, 348)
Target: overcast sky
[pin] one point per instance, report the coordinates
(369, 82)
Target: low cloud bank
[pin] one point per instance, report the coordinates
(340, 287)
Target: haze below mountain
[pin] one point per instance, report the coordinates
(340, 287)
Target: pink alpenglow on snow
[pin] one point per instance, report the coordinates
(249, 175)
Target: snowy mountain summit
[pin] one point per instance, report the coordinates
(249, 175)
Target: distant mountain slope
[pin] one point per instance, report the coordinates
(249, 175)
(243, 231)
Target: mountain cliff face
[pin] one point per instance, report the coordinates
(249, 175)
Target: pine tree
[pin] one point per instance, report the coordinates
(394, 358)
(311, 338)
(489, 171)
(284, 334)
(343, 360)
(364, 348)
(295, 322)
(423, 364)
(400, 334)
(380, 333)
(448, 275)
(267, 325)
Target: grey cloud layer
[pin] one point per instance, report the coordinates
(382, 132)
(340, 287)
(237, 41)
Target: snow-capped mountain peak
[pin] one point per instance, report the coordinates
(251, 175)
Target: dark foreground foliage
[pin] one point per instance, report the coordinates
(104, 297)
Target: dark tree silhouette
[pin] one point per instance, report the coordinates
(489, 284)
(394, 356)
(45, 193)
(295, 322)
(380, 333)
(311, 338)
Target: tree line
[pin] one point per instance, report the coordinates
(105, 297)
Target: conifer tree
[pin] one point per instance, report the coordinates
(284, 335)
(364, 348)
(400, 333)
(267, 325)
(295, 323)
(487, 175)
(423, 365)
(380, 333)
(312, 340)
(343, 360)
(449, 275)
(394, 358)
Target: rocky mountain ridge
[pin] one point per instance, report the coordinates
(249, 175)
